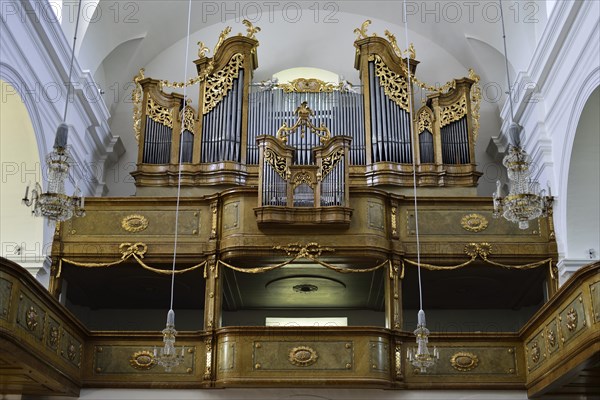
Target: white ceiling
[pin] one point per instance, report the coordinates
(119, 37)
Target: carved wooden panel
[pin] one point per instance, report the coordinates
(552, 336)
(71, 348)
(31, 317)
(595, 293)
(572, 319)
(379, 356)
(375, 216)
(535, 352)
(226, 356)
(136, 360)
(53, 334)
(231, 215)
(5, 297)
(306, 355)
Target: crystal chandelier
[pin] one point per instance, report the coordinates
(419, 356)
(525, 201)
(168, 357)
(55, 204)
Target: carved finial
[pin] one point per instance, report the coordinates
(139, 76)
(411, 52)
(222, 37)
(202, 49)
(361, 33)
(251, 29)
(392, 39)
(473, 75)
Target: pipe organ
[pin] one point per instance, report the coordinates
(219, 141)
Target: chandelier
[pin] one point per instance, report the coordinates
(55, 204)
(525, 201)
(168, 357)
(419, 356)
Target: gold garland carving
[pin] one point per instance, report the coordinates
(482, 251)
(158, 113)
(394, 85)
(330, 161)
(142, 360)
(424, 122)
(310, 251)
(129, 250)
(475, 102)
(422, 85)
(303, 122)
(134, 223)
(463, 361)
(453, 112)
(136, 97)
(278, 163)
(474, 222)
(221, 82)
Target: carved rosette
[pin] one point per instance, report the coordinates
(551, 336)
(142, 360)
(536, 353)
(134, 223)
(572, 319)
(463, 361)
(31, 318)
(303, 356)
(474, 222)
(453, 112)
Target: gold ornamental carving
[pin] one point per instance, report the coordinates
(251, 30)
(572, 319)
(71, 351)
(310, 250)
(394, 85)
(303, 123)
(278, 163)
(307, 85)
(188, 118)
(134, 223)
(222, 36)
(301, 178)
(330, 161)
(410, 52)
(53, 336)
(142, 360)
(551, 336)
(303, 356)
(536, 353)
(475, 101)
(463, 361)
(136, 98)
(220, 83)
(361, 33)
(474, 222)
(424, 122)
(202, 49)
(31, 318)
(158, 113)
(454, 112)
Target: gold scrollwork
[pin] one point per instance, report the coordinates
(572, 319)
(222, 36)
(251, 30)
(424, 122)
(303, 123)
(158, 113)
(303, 356)
(361, 33)
(302, 177)
(202, 49)
(330, 161)
(189, 118)
(31, 318)
(410, 52)
(474, 222)
(453, 112)
(308, 85)
(394, 85)
(136, 98)
(221, 82)
(278, 163)
(134, 223)
(536, 353)
(142, 360)
(475, 101)
(463, 361)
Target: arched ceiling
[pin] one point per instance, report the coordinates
(449, 37)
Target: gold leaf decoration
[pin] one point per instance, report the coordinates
(453, 112)
(307, 85)
(142, 360)
(221, 82)
(572, 319)
(474, 222)
(330, 161)
(463, 361)
(136, 98)
(394, 85)
(476, 97)
(134, 223)
(424, 122)
(278, 163)
(158, 113)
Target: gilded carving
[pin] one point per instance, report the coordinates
(361, 33)
(134, 223)
(53, 335)
(278, 163)
(158, 113)
(453, 112)
(71, 351)
(213, 224)
(474, 222)
(31, 318)
(398, 361)
(572, 319)
(202, 49)
(208, 366)
(142, 360)
(551, 336)
(222, 36)
(302, 177)
(308, 85)
(424, 122)
(303, 356)
(536, 353)
(221, 82)
(250, 29)
(189, 118)
(394, 221)
(464, 361)
(475, 102)
(330, 161)
(303, 122)
(310, 250)
(394, 85)
(136, 98)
